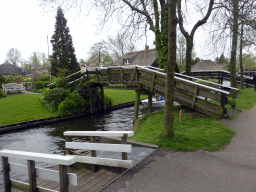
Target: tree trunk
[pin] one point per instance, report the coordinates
(234, 44)
(189, 55)
(241, 58)
(168, 130)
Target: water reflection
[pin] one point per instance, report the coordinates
(50, 139)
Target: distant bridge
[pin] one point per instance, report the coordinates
(201, 95)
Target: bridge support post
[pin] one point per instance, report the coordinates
(91, 100)
(149, 102)
(136, 106)
(103, 97)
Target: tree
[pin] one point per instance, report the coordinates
(120, 44)
(13, 56)
(190, 37)
(181, 49)
(139, 15)
(99, 53)
(63, 57)
(168, 130)
(222, 59)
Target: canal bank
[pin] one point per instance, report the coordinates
(50, 120)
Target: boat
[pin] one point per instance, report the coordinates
(155, 102)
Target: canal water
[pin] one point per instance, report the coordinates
(50, 139)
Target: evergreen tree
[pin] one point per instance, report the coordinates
(63, 57)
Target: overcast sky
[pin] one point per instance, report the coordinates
(25, 26)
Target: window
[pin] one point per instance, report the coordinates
(126, 61)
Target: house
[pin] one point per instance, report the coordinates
(38, 68)
(147, 57)
(206, 65)
(9, 69)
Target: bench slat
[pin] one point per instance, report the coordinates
(99, 133)
(51, 175)
(104, 161)
(100, 146)
(50, 158)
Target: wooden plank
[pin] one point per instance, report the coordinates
(99, 133)
(32, 175)
(50, 158)
(104, 161)
(100, 146)
(25, 187)
(6, 174)
(194, 97)
(43, 173)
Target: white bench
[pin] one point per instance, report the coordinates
(123, 148)
(13, 87)
(61, 176)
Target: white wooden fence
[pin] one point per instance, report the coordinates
(123, 148)
(61, 176)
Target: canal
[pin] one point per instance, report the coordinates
(50, 139)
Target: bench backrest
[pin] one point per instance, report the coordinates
(123, 148)
(59, 176)
(12, 85)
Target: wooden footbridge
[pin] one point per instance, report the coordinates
(203, 96)
(248, 76)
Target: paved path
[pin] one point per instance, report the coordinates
(232, 169)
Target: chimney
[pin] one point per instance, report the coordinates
(146, 48)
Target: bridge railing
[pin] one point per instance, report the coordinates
(61, 176)
(210, 99)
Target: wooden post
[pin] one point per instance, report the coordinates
(222, 104)
(97, 73)
(109, 76)
(180, 117)
(149, 102)
(103, 97)
(32, 176)
(6, 174)
(63, 172)
(91, 100)
(124, 141)
(95, 168)
(136, 106)
(68, 151)
(122, 75)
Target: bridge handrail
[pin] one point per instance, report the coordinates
(207, 81)
(61, 176)
(185, 80)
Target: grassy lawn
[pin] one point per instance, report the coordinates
(193, 134)
(122, 96)
(19, 108)
(246, 98)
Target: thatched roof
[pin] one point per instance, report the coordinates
(9, 69)
(38, 68)
(206, 65)
(147, 57)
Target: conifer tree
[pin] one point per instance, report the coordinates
(63, 58)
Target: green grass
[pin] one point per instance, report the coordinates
(122, 96)
(18, 108)
(246, 98)
(193, 134)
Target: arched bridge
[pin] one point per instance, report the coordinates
(203, 96)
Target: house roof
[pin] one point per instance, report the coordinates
(9, 69)
(142, 58)
(206, 65)
(38, 68)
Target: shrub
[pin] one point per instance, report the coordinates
(51, 98)
(47, 77)
(41, 85)
(108, 100)
(61, 82)
(2, 94)
(25, 79)
(72, 104)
